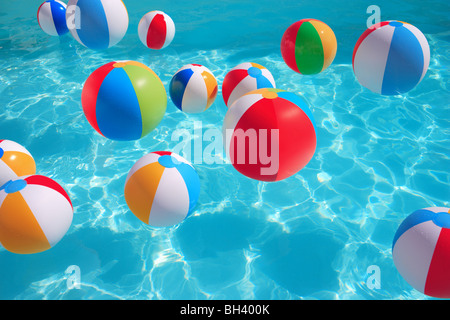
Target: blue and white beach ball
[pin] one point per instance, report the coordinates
(421, 251)
(162, 189)
(97, 24)
(193, 88)
(51, 16)
(391, 57)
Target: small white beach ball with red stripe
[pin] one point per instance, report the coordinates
(421, 251)
(35, 214)
(15, 161)
(156, 30)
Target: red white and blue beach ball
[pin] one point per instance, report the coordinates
(193, 88)
(97, 24)
(156, 30)
(421, 251)
(243, 78)
(391, 57)
(51, 16)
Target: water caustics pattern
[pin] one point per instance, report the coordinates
(312, 236)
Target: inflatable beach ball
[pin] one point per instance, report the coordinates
(269, 134)
(15, 161)
(156, 30)
(35, 214)
(193, 88)
(308, 46)
(391, 57)
(97, 24)
(162, 189)
(124, 100)
(51, 16)
(244, 78)
(421, 251)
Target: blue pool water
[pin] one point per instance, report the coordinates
(312, 236)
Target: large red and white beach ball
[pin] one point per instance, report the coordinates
(269, 134)
(35, 214)
(421, 251)
(391, 57)
(243, 78)
(156, 30)
(15, 161)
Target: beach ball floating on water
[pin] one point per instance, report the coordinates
(269, 134)
(124, 100)
(308, 46)
(156, 30)
(15, 161)
(97, 24)
(162, 188)
(51, 16)
(244, 78)
(421, 251)
(391, 57)
(193, 88)
(35, 214)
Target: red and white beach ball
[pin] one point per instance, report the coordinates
(421, 251)
(15, 161)
(391, 57)
(243, 78)
(269, 134)
(35, 214)
(156, 30)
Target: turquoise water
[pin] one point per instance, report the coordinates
(312, 236)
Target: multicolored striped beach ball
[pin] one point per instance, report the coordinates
(193, 88)
(124, 100)
(243, 78)
(308, 46)
(97, 24)
(15, 161)
(391, 57)
(421, 251)
(51, 16)
(35, 214)
(156, 30)
(269, 134)
(162, 189)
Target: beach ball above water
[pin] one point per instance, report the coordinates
(51, 16)
(269, 134)
(243, 78)
(35, 214)
(156, 30)
(97, 24)
(193, 88)
(421, 251)
(308, 46)
(162, 189)
(124, 100)
(391, 58)
(15, 161)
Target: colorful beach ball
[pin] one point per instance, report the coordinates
(35, 214)
(193, 88)
(124, 100)
(269, 134)
(156, 30)
(15, 161)
(51, 16)
(391, 57)
(244, 78)
(162, 189)
(308, 46)
(421, 251)
(97, 24)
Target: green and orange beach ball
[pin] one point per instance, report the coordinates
(308, 46)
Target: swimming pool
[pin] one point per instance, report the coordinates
(316, 235)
